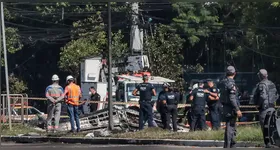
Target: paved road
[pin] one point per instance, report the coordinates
(55, 146)
(48, 146)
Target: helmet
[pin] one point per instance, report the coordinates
(55, 77)
(195, 86)
(165, 85)
(69, 78)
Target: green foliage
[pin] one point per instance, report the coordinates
(89, 40)
(13, 40)
(119, 47)
(164, 50)
(17, 85)
(74, 51)
(195, 20)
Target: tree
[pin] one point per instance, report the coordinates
(13, 39)
(17, 85)
(89, 42)
(165, 52)
(195, 20)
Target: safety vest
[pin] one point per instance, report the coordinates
(73, 94)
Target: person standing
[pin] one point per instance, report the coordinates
(199, 98)
(231, 108)
(265, 98)
(73, 95)
(171, 104)
(160, 106)
(94, 96)
(146, 90)
(54, 94)
(213, 104)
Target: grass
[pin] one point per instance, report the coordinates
(245, 133)
(18, 129)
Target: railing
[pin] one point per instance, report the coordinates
(136, 104)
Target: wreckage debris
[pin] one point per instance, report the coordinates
(125, 120)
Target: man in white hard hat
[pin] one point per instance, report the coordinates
(73, 95)
(54, 94)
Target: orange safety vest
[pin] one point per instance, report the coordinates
(73, 94)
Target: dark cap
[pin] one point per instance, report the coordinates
(209, 80)
(263, 73)
(230, 69)
(145, 77)
(200, 81)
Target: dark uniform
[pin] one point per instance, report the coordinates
(230, 106)
(161, 107)
(213, 106)
(146, 108)
(93, 106)
(265, 98)
(198, 108)
(172, 100)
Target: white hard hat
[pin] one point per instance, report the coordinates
(69, 77)
(55, 77)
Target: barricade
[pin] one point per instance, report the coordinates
(136, 104)
(17, 100)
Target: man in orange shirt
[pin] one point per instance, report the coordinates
(73, 95)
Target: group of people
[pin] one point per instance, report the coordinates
(56, 95)
(224, 95)
(71, 95)
(200, 97)
(168, 107)
(265, 98)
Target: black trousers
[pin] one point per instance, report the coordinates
(198, 118)
(215, 116)
(146, 110)
(230, 132)
(171, 110)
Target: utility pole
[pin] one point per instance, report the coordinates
(136, 34)
(0, 83)
(110, 100)
(6, 66)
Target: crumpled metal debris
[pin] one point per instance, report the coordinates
(124, 119)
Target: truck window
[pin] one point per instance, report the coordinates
(120, 92)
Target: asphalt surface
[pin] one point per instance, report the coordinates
(51, 146)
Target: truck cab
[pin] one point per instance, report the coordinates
(127, 84)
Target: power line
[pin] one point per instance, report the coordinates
(44, 21)
(263, 54)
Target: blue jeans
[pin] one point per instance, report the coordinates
(73, 112)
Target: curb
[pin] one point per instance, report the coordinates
(123, 141)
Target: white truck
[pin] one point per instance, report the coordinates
(126, 84)
(93, 73)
